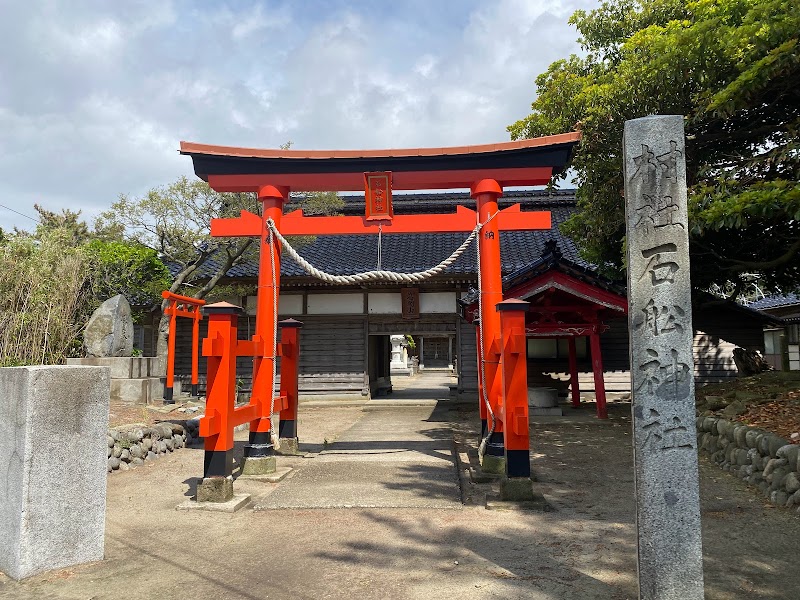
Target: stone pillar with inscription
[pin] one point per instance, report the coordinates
(670, 561)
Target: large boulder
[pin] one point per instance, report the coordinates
(110, 330)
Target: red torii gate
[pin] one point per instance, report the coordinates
(484, 169)
(181, 306)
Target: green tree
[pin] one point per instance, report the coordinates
(175, 220)
(129, 269)
(732, 68)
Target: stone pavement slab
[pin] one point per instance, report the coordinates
(398, 457)
(367, 485)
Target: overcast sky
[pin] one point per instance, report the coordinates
(95, 96)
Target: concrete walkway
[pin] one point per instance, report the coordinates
(427, 385)
(392, 457)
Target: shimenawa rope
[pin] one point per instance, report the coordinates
(378, 275)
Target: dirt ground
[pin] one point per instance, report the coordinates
(584, 549)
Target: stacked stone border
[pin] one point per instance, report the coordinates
(132, 445)
(759, 457)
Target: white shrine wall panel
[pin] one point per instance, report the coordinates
(335, 304)
(437, 302)
(385, 303)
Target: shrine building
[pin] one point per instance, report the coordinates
(345, 340)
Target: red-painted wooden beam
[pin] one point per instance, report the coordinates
(464, 219)
(401, 180)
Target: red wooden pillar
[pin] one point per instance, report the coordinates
(597, 369)
(486, 193)
(290, 357)
(197, 316)
(481, 403)
(514, 377)
(172, 310)
(260, 444)
(573, 372)
(216, 427)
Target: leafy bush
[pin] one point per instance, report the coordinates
(45, 297)
(129, 269)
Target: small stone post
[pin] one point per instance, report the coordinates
(670, 561)
(53, 466)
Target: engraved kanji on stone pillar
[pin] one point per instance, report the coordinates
(660, 319)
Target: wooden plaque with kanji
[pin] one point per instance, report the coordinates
(378, 196)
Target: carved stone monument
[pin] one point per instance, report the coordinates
(110, 329)
(670, 561)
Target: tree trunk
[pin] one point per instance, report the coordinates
(749, 362)
(163, 323)
(161, 341)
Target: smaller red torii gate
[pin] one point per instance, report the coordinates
(181, 306)
(271, 174)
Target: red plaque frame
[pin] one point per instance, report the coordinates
(378, 196)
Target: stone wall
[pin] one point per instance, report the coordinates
(132, 445)
(761, 458)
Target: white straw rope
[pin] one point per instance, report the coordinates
(274, 435)
(378, 275)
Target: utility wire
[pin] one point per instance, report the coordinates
(19, 213)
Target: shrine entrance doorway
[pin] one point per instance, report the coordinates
(378, 368)
(437, 352)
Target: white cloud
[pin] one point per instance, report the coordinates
(94, 98)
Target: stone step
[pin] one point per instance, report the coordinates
(122, 367)
(141, 390)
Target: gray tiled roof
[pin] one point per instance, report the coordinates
(349, 254)
(407, 253)
(775, 301)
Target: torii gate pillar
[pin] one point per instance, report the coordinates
(486, 192)
(259, 452)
